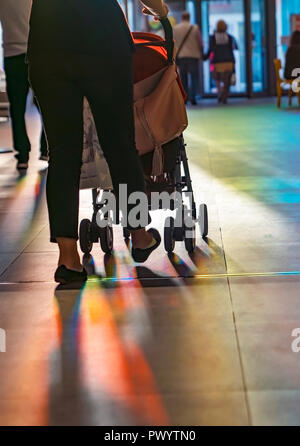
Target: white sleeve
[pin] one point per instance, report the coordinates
(157, 7)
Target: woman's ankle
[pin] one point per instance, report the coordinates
(141, 239)
(68, 254)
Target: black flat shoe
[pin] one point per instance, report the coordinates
(65, 275)
(141, 255)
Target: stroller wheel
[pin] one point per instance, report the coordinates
(169, 240)
(106, 239)
(85, 242)
(190, 238)
(126, 234)
(203, 220)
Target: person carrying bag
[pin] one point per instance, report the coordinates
(182, 43)
(188, 39)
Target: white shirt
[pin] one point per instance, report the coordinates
(14, 18)
(193, 44)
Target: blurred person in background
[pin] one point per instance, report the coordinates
(14, 18)
(188, 41)
(292, 58)
(221, 54)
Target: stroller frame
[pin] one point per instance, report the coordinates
(90, 232)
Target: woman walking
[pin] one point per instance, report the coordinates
(77, 49)
(221, 47)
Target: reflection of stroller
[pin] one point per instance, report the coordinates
(159, 142)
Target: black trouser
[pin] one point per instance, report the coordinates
(60, 82)
(188, 66)
(16, 72)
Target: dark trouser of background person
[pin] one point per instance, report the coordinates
(60, 82)
(188, 66)
(223, 82)
(17, 84)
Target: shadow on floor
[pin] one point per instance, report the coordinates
(149, 278)
(103, 375)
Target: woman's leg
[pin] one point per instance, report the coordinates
(17, 84)
(110, 95)
(227, 81)
(61, 104)
(43, 139)
(183, 70)
(193, 63)
(218, 82)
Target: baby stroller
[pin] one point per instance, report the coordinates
(157, 86)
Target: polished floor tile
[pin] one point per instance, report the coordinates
(265, 299)
(275, 408)
(5, 260)
(260, 258)
(31, 267)
(267, 356)
(208, 409)
(138, 348)
(201, 339)
(267, 313)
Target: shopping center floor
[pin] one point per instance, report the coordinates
(204, 339)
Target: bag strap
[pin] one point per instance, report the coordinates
(184, 40)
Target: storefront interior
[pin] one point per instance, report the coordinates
(261, 27)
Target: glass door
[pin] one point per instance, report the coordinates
(233, 12)
(258, 46)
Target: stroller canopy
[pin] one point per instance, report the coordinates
(148, 59)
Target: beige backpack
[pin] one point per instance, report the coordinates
(160, 117)
(160, 114)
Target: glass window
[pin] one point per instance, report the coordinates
(131, 14)
(258, 45)
(1, 49)
(287, 11)
(123, 4)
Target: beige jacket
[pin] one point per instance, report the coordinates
(14, 18)
(193, 45)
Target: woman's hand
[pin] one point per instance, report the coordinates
(156, 8)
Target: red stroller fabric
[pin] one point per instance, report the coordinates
(160, 116)
(148, 60)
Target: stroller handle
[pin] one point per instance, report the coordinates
(169, 41)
